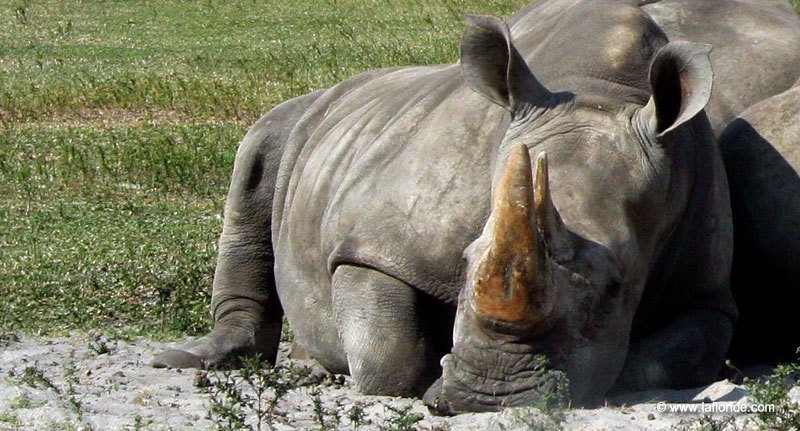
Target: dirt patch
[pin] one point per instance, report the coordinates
(87, 383)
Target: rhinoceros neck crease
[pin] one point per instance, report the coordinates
(532, 117)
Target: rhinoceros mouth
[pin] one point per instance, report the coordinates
(464, 388)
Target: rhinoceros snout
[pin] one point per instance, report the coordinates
(459, 391)
(450, 403)
(443, 405)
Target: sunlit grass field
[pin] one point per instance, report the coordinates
(119, 121)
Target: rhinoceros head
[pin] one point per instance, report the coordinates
(585, 190)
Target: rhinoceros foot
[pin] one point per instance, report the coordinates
(219, 349)
(177, 359)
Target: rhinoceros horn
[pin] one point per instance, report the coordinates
(511, 283)
(554, 233)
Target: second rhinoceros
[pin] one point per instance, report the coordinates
(755, 54)
(433, 230)
(761, 150)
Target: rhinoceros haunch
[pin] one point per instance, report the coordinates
(433, 230)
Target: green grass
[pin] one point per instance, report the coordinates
(189, 160)
(210, 59)
(124, 265)
(119, 121)
(111, 228)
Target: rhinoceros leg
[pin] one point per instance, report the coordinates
(390, 351)
(685, 353)
(244, 302)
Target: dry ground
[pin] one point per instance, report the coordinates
(85, 382)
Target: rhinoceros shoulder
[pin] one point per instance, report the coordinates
(384, 175)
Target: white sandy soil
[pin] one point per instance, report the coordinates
(118, 390)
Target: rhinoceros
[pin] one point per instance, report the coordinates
(755, 54)
(436, 230)
(761, 150)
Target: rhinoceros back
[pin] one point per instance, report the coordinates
(390, 170)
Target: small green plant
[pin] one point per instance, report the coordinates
(286, 331)
(24, 401)
(554, 399)
(401, 419)
(774, 391)
(227, 403)
(356, 415)
(100, 345)
(769, 392)
(327, 418)
(11, 420)
(549, 411)
(253, 390)
(70, 375)
(707, 423)
(536, 419)
(35, 378)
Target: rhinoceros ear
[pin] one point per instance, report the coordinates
(494, 68)
(680, 79)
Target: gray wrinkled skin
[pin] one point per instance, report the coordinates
(382, 202)
(755, 54)
(761, 150)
